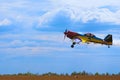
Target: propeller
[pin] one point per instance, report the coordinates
(65, 33)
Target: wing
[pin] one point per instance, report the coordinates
(83, 39)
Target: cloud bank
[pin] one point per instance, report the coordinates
(44, 12)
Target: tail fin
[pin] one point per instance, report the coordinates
(108, 39)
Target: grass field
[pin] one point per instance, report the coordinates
(60, 77)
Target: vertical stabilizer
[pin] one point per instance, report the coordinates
(108, 39)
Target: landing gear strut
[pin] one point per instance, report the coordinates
(108, 46)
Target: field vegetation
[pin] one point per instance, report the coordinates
(53, 76)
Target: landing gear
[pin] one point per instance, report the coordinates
(108, 46)
(72, 46)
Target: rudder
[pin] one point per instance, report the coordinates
(108, 38)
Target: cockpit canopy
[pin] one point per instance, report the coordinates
(89, 35)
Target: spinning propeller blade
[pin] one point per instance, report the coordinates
(64, 37)
(65, 33)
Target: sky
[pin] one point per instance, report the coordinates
(31, 36)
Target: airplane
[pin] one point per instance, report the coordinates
(87, 38)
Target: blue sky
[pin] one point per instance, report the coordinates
(31, 36)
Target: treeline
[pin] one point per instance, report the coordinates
(66, 74)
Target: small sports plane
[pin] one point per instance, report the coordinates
(87, 38)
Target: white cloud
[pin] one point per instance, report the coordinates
(77, 10)
(86, 3)
(47, 17)
(31, 12)
(5, 22)
(33, 50)
(32, 39)
(116, 42)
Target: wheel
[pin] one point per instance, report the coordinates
(72, 46)
(74, 43)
